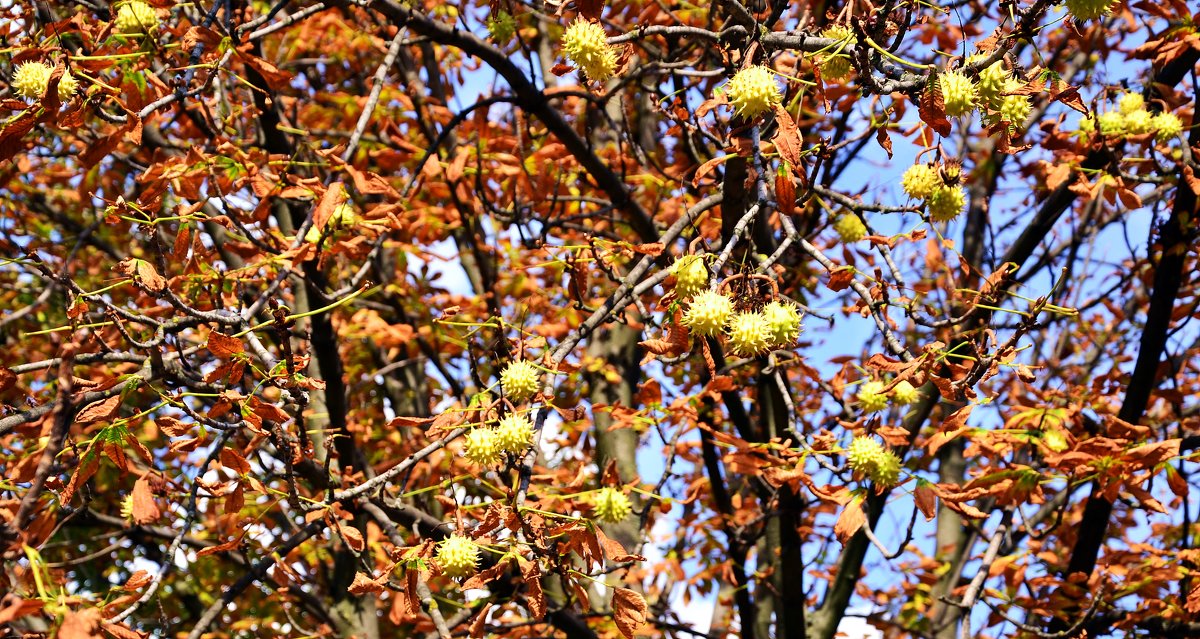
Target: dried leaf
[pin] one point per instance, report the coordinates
(81, 624)
(535, 600)
(364, 584)
(785, 193)
(234, 461)
(477, 627)
(850, 521)
(933, 106)
(884, 140)
(223, 345)
(708, 167)
(122, 631)
(787, 139)
(352, 535)
(629, 611)
(590, 9)
(841, 278)
(98, 411)
(137, 581)
(145, 511)
(7, 378)
(926, 500)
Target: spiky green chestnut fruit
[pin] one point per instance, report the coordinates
(1089, 9)
(864, 454)
(946, 203)
(958, 93)
(748, 334)
(708, 313)
(871, 397)
(31, 79)
(483, 447)
(920, 181)
(1167, 126)
(753, 92)
(783, 323)
(905, 393)
(1111, 123)
(502, 27)
(835, 66)
(514, 434)
(587, 48)
(520, 381)
(849, 228)
(1130, 102)
(1138, 122)
(887, 470)
(992, 80)
(691, 276)
(611, 505)
(458, 556)
(135, 18)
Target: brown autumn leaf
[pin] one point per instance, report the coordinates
(227, 546)
(629, 611)
(933, 106)
(613, 550)
(7, 378)
(81, 624)
(122, 631)
(352, 535)
(785, 193)
(234, 461)
(708, 167)
(477, 629)
(87, 467)
(223, 345)
(17, 608)
(98, 411)
(926, 500)
(787, 139)
(145, 510)
(884, 140)
(840, 279)
(137, 581)
(143, 273)
(850, 521)
(172, 427)
(535, 600)
(364, 584)
(590, 9)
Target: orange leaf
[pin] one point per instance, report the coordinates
(352, 535)
(933, 106)
(98, 411)
(223, 345)
(145, 511)
(476, 630)
(121, 631)
(138, 580)
(629, 611)
(81, 624)
(363, 584)
(787, 139)
(225, 547)
(850, 521)
(926, 500)
(234, 461)
(142, 272)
